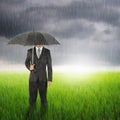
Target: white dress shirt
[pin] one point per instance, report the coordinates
(40, 51)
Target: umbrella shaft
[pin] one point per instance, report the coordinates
(32, 55)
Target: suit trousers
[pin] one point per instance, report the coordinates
(34, 87)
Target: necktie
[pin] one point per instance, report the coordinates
(38, 52)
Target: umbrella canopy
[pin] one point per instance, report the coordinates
(33, 38)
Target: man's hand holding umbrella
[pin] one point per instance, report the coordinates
(32, 67)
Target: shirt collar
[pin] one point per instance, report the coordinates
(40, 48)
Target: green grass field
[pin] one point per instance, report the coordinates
(70, 97)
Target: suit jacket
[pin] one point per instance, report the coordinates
(40, 65)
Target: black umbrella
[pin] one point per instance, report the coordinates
(33, 38)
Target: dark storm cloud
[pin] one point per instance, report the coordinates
(11, 1)
(10, 23)
(91, 11)
(10, 26)
(115, 3)
(36, 17)
(94, 11)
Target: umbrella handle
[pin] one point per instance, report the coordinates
(32, 55)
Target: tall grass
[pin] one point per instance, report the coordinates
(70, 97)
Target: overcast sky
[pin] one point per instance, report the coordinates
(88, 30)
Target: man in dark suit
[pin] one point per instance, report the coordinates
(40, 77)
